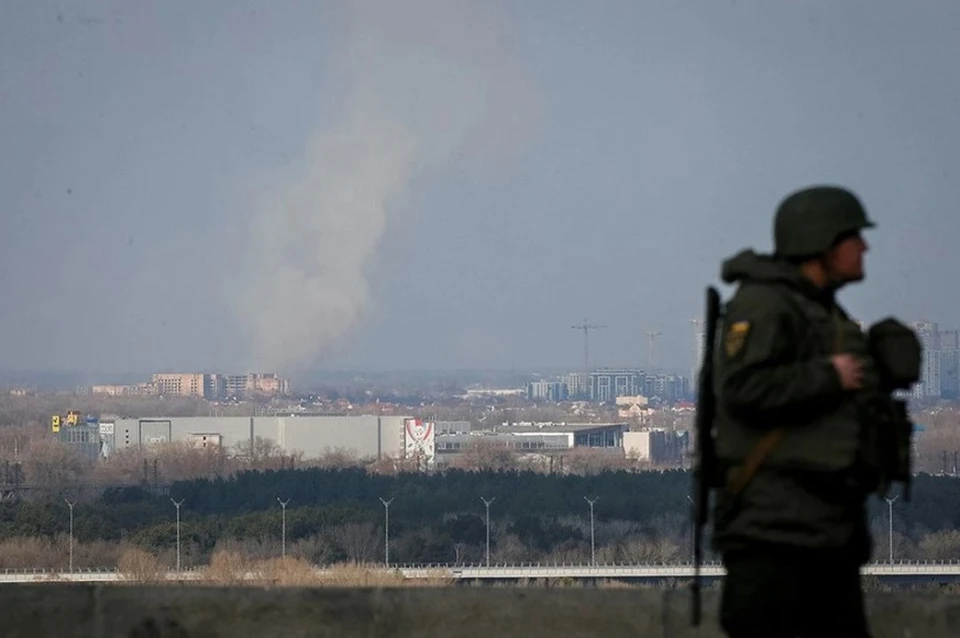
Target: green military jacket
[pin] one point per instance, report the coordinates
(773, 371)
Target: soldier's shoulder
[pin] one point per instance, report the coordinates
(760, 296)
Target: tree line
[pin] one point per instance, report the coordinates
(337, 514)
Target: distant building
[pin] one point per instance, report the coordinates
(535, 438)
(606, 384)
(444, 428)
(370, 437)
(85, 439)
(929, 335)
(179, 385)
(578, 385)
(631, 407)
(139, 389)
(474, 393)
(547, 391)
(656, 445)
(366, 436)
(220, 386)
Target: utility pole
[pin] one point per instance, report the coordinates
(890, 502)
(386, 531)
(593, 553)
(283, 527)
(652, 352)
(70, 505)
(586, 328)
(487, 504)
(177, 505)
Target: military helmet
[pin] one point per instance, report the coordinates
(809, 221)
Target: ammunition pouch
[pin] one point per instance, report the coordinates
(897, 352)
(886, 435)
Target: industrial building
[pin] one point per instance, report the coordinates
(455, 438)
(373, 437)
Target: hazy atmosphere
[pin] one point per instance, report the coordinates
(447, 184)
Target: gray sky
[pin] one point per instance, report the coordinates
(233, 185)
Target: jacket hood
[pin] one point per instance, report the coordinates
(750, 266)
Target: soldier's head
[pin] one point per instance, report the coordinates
(819, 228)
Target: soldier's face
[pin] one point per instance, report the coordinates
(844, 261)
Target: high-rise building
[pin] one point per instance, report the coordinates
(606, 384)
(929, 335)
(578, 385)
(949, 364)
(547, 391)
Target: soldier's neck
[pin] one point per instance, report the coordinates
(814, 272)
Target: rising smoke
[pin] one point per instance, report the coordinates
(429, 80)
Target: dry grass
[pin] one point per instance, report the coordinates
(287, 572)
(54, 553)
(231, 569)
(361, 575)
(226, 568)
(139, 566)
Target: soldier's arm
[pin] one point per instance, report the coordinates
(759, 373)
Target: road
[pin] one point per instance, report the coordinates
(902, 571)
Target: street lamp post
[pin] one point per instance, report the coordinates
(283, 527)
(593, 553)
(386, 531)
(177, 504)
(890, 502)
(693, 524)
(487, 504)
(70, 505)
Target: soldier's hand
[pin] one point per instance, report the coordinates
(850, 369)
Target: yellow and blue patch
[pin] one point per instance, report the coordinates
(735, 338)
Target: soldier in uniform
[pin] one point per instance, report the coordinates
(790, 368)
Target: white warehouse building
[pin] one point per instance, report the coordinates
(365, 436)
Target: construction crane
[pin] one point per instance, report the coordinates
(586, 328)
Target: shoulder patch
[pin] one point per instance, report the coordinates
(736, 336)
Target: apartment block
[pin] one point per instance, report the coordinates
(547, 391)
(179, 385)
(214, 386)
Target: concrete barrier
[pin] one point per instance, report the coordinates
(117, 611)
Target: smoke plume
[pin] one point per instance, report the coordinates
(426, 79)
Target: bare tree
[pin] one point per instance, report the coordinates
(359, 541)
(510, 549)
(483, 455)
(54, 466)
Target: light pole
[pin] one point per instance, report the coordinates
(386, 531)
(70, 505)
(593, 553)
(177, 505)
(487, 504)
(283, 527)
(693, 524)
(890, 502)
